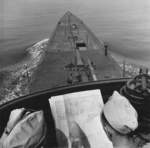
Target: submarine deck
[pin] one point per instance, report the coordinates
(69, 31)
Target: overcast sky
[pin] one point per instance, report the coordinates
(9, 5)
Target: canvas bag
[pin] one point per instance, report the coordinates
(25, 129)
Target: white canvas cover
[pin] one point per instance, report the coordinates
(121, 114)
(77, 116)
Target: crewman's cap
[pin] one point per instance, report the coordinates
(120, 114)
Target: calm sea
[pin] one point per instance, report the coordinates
(123, 24)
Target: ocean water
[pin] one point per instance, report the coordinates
(123, 24)
(26, 25)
